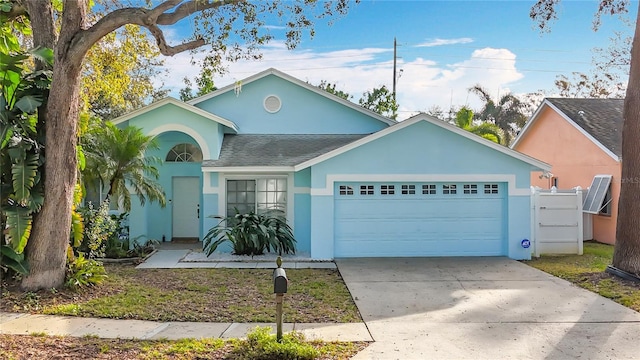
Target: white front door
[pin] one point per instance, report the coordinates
(186, 207)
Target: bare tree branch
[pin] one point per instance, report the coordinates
(191, 7)
(150, 19)
(168, 50)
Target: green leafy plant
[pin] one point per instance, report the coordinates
(83, 272)
(22, 91)
(11, 260)
(99, 227)
(142, 249)
(262, 345)
(252, 234)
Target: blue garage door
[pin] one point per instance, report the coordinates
(419, 219)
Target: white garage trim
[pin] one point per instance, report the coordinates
(506, 178)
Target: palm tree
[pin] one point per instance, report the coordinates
(487, 130)
(507, 113)
(116, 157)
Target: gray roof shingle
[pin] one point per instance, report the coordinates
(601, 118)
(276, 150)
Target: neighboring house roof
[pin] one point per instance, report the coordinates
(181, 104)
(424, 117)
(280, 74)
(600, 120)
(275, 150)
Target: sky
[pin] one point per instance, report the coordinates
(443, 48)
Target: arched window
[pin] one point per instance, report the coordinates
(184, 153)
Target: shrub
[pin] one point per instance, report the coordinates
(252, 234)
(98, 228)
(262, 345)
(83, 272)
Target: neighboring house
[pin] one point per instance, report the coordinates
(352, 183)
(582, 140)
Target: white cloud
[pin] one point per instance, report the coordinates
(422, 83)
(441, 42)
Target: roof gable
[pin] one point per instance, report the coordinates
(600, 120)
(314, 89)
(173, 101)
(426, 118)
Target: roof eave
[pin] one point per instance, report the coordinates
(248, 169)
(170, 100)
(537, 164)
(282, 75)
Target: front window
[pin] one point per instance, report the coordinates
(257, 195)
(184, 153)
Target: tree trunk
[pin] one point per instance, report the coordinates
(627, 249)
(47, 246)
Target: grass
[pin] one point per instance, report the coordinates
(587, 271)
(259, 345)
(212, 295)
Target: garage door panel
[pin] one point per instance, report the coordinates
(417, 225)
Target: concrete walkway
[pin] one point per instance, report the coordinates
(483, 308)
(25, 324)
(179, 259)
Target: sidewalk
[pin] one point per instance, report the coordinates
(25, 324)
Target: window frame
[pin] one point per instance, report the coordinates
(179, 156)
(256, 179)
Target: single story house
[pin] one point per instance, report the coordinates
(351, 182)
(582, 140)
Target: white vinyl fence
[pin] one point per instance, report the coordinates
(557, 221)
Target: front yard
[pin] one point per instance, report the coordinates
(203, 295)
(587, 271)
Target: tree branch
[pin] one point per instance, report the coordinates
(150, 19)
(168, 50)
(191, 7)
(17, 10)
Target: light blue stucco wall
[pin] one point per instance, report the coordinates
(302, 112)
(302, 206)
(428, 151)
(171, 117)
(158, 220)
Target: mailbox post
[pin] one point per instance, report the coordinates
(280, 283)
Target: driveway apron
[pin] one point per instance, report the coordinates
(483, 308)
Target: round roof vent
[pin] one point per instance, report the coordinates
(272, 104)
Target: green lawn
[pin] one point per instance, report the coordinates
(212, 295)
(587, 271)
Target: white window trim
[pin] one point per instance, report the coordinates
(510, 179)
(222, 191)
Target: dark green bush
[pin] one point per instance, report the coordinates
(252, 234)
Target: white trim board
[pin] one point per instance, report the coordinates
(535, 117)
(180, 104)
(202, 143)
(291, 79)
(424, 117)
(279, 170)
(509, 179)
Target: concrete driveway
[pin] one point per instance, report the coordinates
(483, 308)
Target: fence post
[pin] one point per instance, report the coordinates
(580, 220)
(535, 215)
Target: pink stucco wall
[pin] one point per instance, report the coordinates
(575, 160)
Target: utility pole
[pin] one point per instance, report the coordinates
(394, 67)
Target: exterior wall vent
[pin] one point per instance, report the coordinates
(272, 104)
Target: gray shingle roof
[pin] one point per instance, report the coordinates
(601, 118)
(276, 150)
